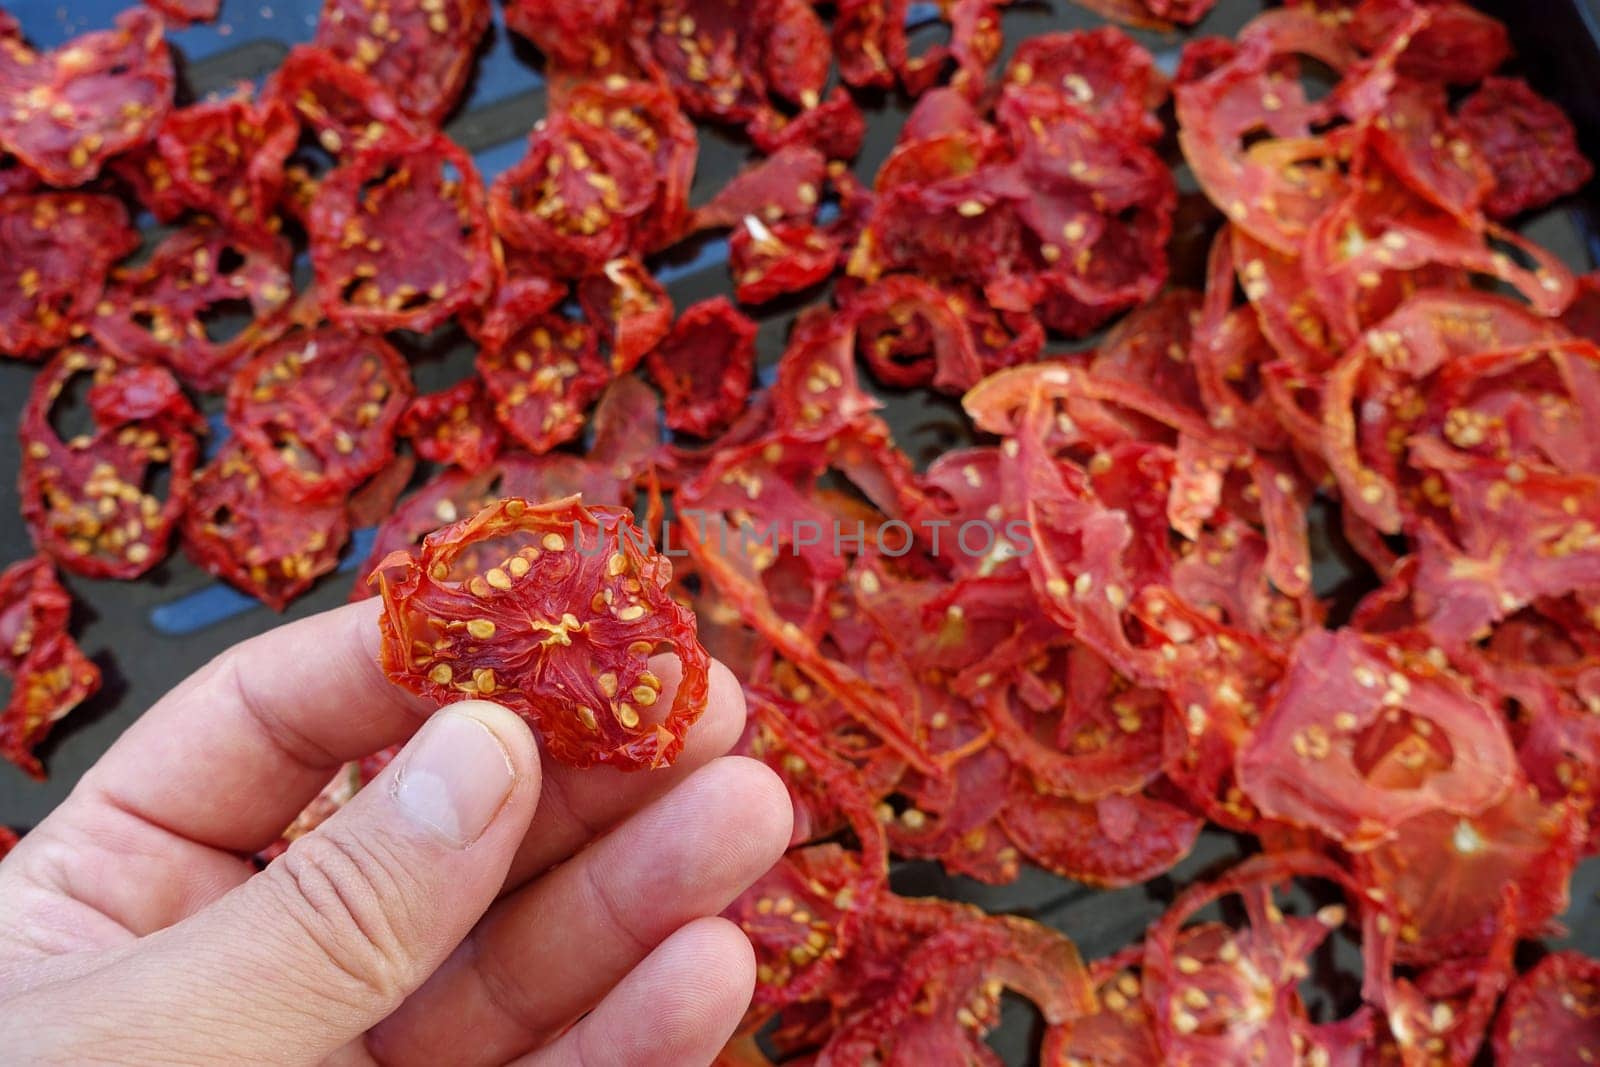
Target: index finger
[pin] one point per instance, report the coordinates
(231, 756)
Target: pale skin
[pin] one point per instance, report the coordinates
(471, 906)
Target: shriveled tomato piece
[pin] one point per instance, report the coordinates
(49, 674)
(349, 111)
(90, 501)
(579, 38)
(1363, 735)
(835, 127)
(573, 199)
(704, 367)
(400, 237)
(318, 411)
(225, 158)
(238, 529)
(186, 11)
(783, 187)
(1114, 841)
(786, 257)
(1104, 72)
(57, 250)
(554, 610)
(646, 115)
(421, 52)
(1120, 1034)
(542, 380)
(199, 282)
(1530, 146)
(70, 110)
(630, 309)
(454, 426)
(1552, 1013)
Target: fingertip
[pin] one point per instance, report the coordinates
(766, 803)
(508, 728)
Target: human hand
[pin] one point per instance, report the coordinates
(468, 906)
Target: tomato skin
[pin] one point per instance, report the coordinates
(49, 674)
(553, 610)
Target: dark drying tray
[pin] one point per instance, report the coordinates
(147, 635)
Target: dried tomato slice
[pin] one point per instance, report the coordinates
(835, 127)
(454, 426)
(226, 158)
(911, 333)
(98, 95)
(318, 411)
(1103, 72)
(554, 610)
(199, 281)
(704, 367)
(1549, 1014)
(400, 237)
(799, 918)
(581, 39)
(421, 52)
(646, 115)
(783, 187)
(770, 261)
(88, 501)
(573, 199)
(187, 11)
(1114, 841)
(49, 673)
(542, 379)
(1120, 1034)
(58, 248)
(350, 112)
(238, 529)
(630, 308)
(1363, 735)
(1528, 142)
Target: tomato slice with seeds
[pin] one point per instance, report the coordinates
(1104, 72)
(179, 308)
(835, 127)
(542, 380)
(400, 237)
(1120, 1034)
(240, 530)
(59, 247)
(89, 501)
(704, 367)
(454, 426)
(783, 187)
(421, 51)
(1363, 735)
(1114, 841)
(226, 158)
(318, 411)
(580, 39)
(770, 261)
(630, 309)
(96, 96)
(349, 112)
(911, 332)
(187, 11)
(573, 199)
(49, 673)
(1529, 143)
(553, 610)
(1552, 1013)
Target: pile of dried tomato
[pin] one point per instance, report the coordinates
(1070, 644)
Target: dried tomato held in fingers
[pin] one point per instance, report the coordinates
(90, 499)
(318, 411)
(400, 237)
(49, 674)
(554, 610)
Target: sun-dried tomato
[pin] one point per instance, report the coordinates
(400, 237)
(377, 498)
(723, 61)
(629, 307)
(57, 250)
(1528, 143)
(318, 411)
(576, 38)
(783, 187)
(911, 333)
(49, 674)
(226, 158)
(421, 51)
(573, 200)
(349, 112)
(202, 302)
(90, 501)
(188, 11)
(554, 610)
(704, 367)
(835, 127)
(542, 380)
(786, 257)
(454, 426)
(1549, 1014)
(1113, 841)
(646, 115)
(1103, 72)
(1120, 1034)
(238, 529)
(103, 93)
(1363, 735)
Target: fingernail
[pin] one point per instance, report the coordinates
(455, 778)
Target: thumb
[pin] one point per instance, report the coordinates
(340, 929)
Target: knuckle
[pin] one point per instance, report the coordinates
(349, 897)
